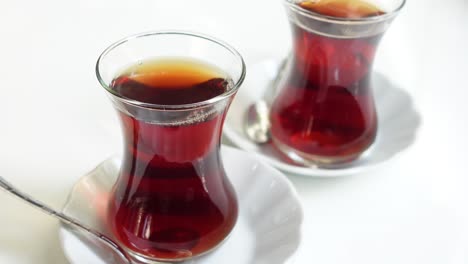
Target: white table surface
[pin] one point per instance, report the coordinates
(56, 123)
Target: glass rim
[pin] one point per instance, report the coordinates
(341, 20)
(211, 101)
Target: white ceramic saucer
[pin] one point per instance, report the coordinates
(268, 228)
(397, 127)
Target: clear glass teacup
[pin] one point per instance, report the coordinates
(324, 111)
(172, 200)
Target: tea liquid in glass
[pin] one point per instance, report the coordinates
(172, 200)
(325, 110)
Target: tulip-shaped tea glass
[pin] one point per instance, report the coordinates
(172, 200)
(324, 111)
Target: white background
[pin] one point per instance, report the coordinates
(56, 123)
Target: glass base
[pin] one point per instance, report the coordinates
(138, 258)
(316, 161)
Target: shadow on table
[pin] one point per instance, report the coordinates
(398, 119)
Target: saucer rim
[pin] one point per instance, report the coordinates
(230, 133)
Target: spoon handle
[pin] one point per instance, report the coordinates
(64, 218)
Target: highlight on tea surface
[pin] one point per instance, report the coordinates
(342, 8)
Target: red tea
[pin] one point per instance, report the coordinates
(325, 109)
(172, 200)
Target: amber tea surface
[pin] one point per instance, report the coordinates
(342, 8)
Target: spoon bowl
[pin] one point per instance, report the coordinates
(257, 122)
